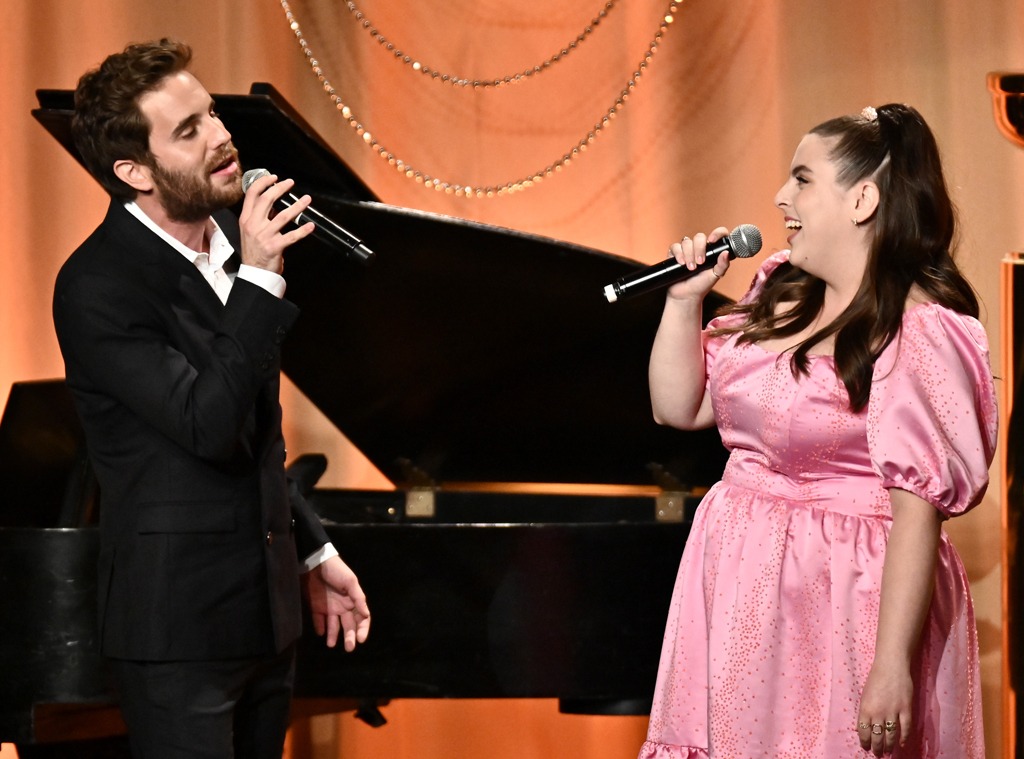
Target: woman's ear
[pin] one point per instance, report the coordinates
(865, 201)
(133, 174)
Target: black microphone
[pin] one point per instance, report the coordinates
(326, 230)
(742, 242)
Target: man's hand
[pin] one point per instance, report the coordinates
(337, 603)
(263, 241)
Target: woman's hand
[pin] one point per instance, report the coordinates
(886, 717)
(678, 382)
(691, 252)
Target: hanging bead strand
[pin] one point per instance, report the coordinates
(489, 191)
(482, 82)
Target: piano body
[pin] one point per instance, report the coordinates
(531, 542)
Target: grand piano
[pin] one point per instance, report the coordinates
(530, 543)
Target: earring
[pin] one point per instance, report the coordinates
(856, 222)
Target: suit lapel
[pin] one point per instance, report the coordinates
(197, 309)
(167, 267)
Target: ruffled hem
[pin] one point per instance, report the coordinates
(652, 750)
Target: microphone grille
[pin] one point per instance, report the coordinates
(253, 174)
(746, 240)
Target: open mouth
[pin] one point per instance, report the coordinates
(228, 165)
(793, 226)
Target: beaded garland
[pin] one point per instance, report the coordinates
(489, 191)
(484, 82)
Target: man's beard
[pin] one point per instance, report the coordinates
(190, 196)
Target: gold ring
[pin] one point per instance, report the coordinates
(862, 726)
(717, 275)
(876, 732)
(890, 725)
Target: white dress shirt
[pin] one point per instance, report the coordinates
(212, 264)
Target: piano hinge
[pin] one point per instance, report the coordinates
(420, 490)
(669, 506)
(419, 503)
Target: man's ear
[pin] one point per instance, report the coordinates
(134, 174)
(865, 201)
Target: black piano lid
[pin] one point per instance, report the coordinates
(466, 352)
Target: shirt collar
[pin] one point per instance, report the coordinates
(220, 248)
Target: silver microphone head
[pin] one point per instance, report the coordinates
(745, 239)
(253, 174)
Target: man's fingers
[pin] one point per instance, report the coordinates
(333, 626)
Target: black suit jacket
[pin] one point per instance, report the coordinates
(178, 395)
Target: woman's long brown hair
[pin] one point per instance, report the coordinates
(914, 233)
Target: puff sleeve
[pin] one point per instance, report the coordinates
(931, 418)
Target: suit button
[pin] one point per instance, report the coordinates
(270, 538)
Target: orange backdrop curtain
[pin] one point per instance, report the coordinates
(703, 139)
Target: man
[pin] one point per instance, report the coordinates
(170, 318)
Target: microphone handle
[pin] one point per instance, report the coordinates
(662, 274)
(328, 231)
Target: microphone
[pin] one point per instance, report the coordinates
(326, 230)
(742, 242)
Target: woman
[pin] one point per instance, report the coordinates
(819, 610)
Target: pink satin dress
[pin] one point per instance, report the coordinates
(771, 630)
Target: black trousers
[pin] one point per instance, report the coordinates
(235, 709)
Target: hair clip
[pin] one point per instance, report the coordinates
(869, 114)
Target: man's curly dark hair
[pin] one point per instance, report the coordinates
(108, 125)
